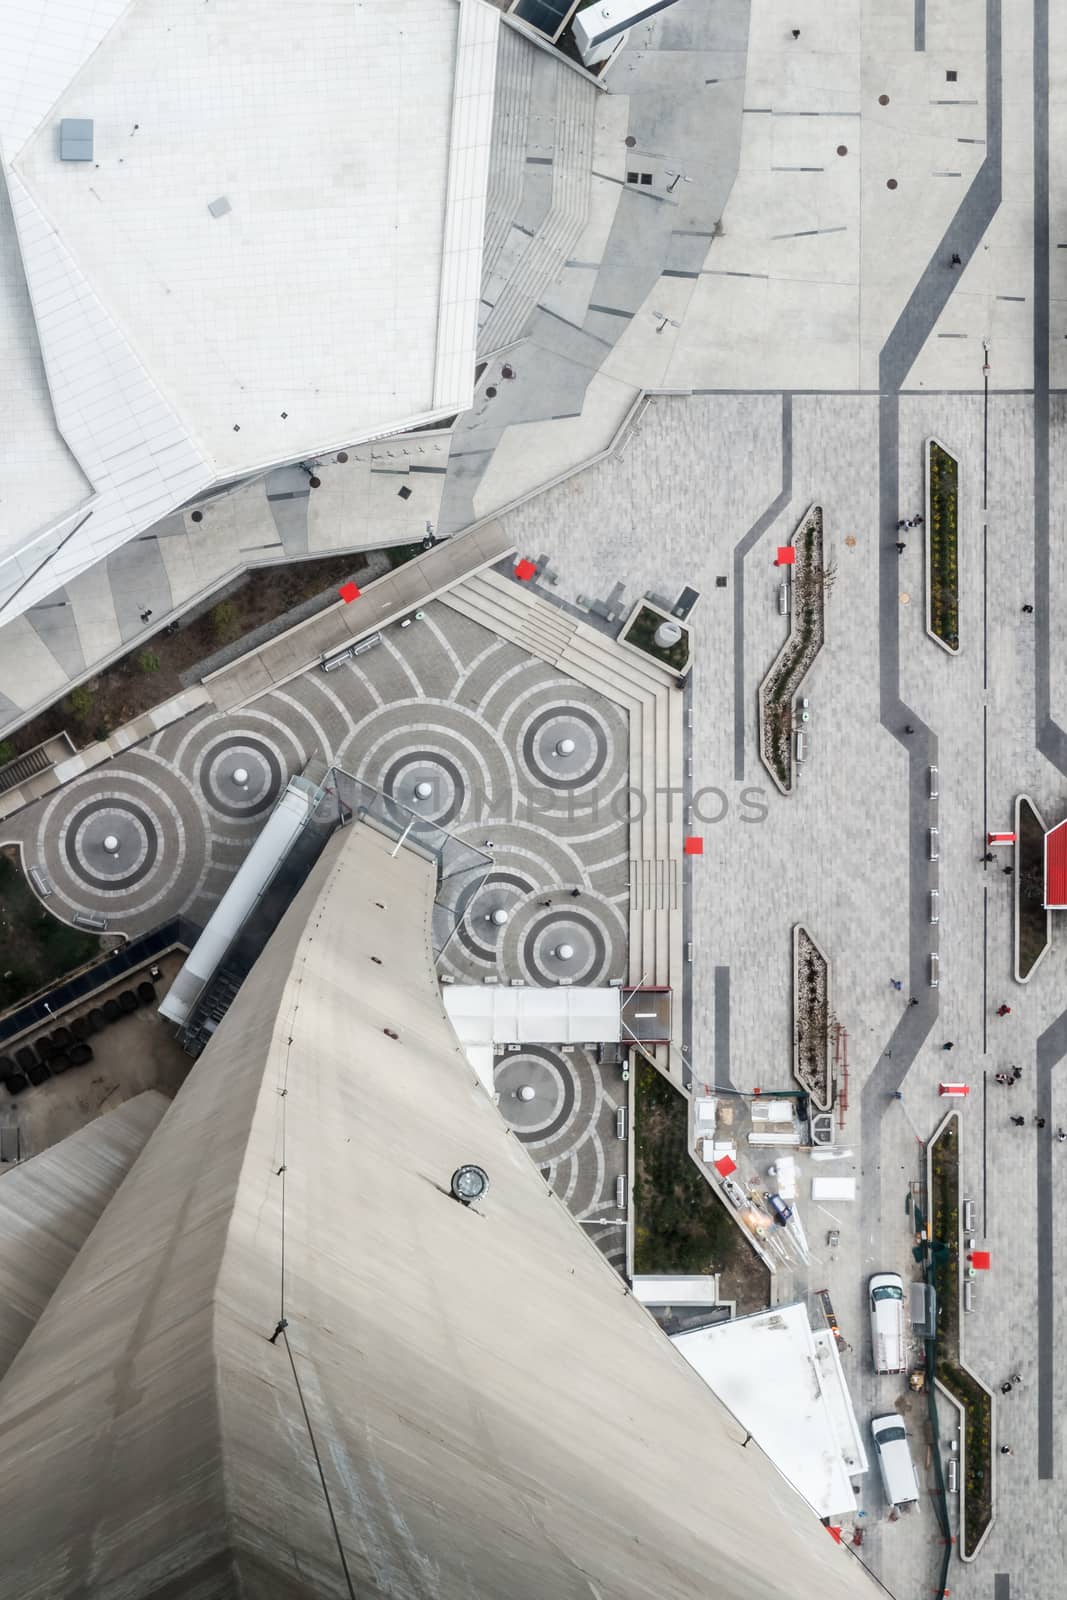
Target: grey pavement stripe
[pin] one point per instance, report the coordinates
(1021, 298)
(529, 232)
(808, 233)
(962, 140)
(414, 468)
(538, 161)
(694, 233)
(586, 266)
(722, 1029)
(920, 24)
(612, 311)
(676, 272)
(741, 549)
(1001, 1586)
(946, 174)
(557, 318)
(291, 494)
(712, 272)
(798, 169)
(953, 102)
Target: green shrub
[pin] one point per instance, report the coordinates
(7, 752)
(224, 620)
(79, 702)
(148, 661)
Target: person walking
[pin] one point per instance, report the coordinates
(917, 519)
(1061, 1134)
(901, 524)
(1016, 1379)
(1006, 1450)
(1028, 611)
(957, 261)
(1005, 1388)
(1006, 871)
(1016, 1073)
(901, 547)
(913, 1001)
(1039, 1122)
(1001, 1077)
(1019, 1122)
(908, 728)
(896, 983)
(1004, 1011)
(949, 1044)
(989, 856)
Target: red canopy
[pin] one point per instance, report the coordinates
(1056, 867)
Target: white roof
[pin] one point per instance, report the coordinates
(492, 1014)
(678, 1289)
(787, 1388)
(334, 301)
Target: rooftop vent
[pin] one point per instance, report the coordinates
(219, 207)
(76, 139)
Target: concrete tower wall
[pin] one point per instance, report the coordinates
(466, 1404)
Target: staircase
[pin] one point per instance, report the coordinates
(653, 703)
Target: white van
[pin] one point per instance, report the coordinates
(894, 1460)
(886, 1294)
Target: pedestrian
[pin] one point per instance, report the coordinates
(1002, 1077)
(903, 523)
(546, 903)
(917, 520)
(956, 260)
(1005, 1388)
(897, 984)
(1039, 1122)
(1016, 1379)
(1061, 1134)
(949, 1044)
(1028, 611)
(989, 856)
(1006, 871)
(1016, 1073)
(1006, 1450)
(901, 547)
(908, 728)
(796, 33)
(1019, 1122)
(280, 1328)
(575, 893)
(1004, 1011)
(913, 1001)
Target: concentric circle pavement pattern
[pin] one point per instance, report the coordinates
(563, 1106)
(454, 722)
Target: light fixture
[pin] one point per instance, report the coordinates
(469, 1184)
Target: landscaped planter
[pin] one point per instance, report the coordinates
(970, 1396)
(942, 473)
(1033, 924)
(639, 631)
(807, 624)
(812, 1065)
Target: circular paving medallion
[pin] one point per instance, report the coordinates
(240, 776)
(405, 780)
(565, 944)
(565, 747)
(111, 844)
(478, 932)
(540, 1116)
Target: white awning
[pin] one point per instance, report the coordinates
(491, 1014)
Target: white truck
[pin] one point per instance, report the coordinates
(886, 1295)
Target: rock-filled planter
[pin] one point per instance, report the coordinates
(812, 1063)
(779, 689)
(971, 1397)
(942, 542)
(1033, 924)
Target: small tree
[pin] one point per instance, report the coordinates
(148, 661)
(224, 620)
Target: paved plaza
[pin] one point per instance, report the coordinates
(774, 325)
(569, 1126)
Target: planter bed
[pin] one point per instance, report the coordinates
(975, 1401)
(1033, 930)
(640, 634)
(942, 546)
(807, 622)
(811, 1020)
